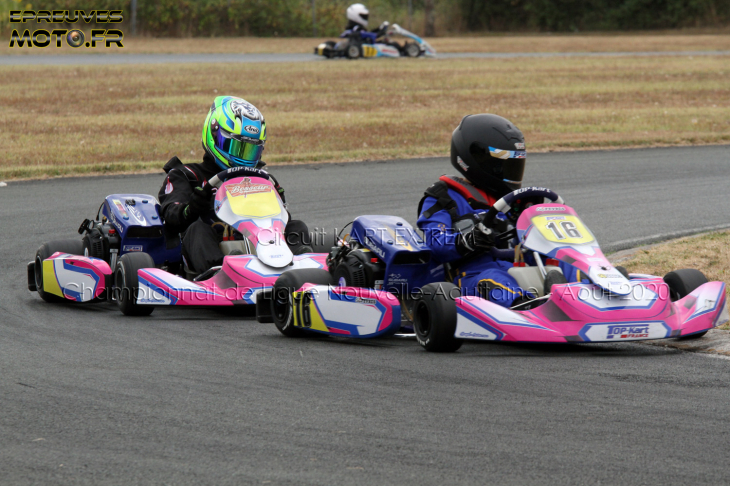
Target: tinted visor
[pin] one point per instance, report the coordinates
(364, 16)
(238, 147)
(506, 165)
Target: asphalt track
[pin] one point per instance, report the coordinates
(199, 397)
(101, 59)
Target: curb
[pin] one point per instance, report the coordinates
(716, 341)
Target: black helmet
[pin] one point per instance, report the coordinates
(489, 151)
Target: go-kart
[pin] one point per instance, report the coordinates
(124, 257)
(356, 44)
(384, 270)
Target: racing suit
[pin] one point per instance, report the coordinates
(202, 235)
(476, 273)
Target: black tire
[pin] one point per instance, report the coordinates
(681, 283)
(282, 303)
(412, 50)
(74, 247)
(126, 283)
(553, 277)
(434, 317)
(353, 51)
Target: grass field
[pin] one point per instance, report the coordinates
(671, 41)
(709, 253)
(76, 120)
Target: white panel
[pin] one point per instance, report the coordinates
(466, 329)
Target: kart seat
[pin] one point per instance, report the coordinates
(531, 279)
(240, 246)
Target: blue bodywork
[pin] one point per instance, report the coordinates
(366, 37)
(136, 218)
(408, 262)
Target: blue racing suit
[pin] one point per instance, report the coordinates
(477, 273)
(472, 274)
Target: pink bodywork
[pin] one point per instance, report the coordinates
(80, 279)
(238, 281)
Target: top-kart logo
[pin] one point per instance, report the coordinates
(247, 187)
(627, 332)
(252, 129)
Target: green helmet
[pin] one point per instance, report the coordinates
(234, 133)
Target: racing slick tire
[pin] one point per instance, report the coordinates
(282, 303)
(434, 317)
(353, 51)
(553, 277)
(73, 247)
(412, 50)
(126, 283)
(681, 283)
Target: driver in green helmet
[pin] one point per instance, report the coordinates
(234, 134)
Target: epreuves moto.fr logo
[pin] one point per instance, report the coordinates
(74, 37)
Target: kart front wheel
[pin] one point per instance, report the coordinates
(412, 50)
(126, 283)
(282, 300)
(681, 283)
(73, 247)
(353, 51)
(434, 317)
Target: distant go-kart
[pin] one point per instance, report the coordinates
(123, 255)
(384, 270)
(376, 44)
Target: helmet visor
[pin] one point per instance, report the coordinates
(512, 168)
(238, 149)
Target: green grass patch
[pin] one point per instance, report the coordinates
(103, 119)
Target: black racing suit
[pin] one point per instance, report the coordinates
(200, 239)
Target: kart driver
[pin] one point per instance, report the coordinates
(489, 151)
(234, 134)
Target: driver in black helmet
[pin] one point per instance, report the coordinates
(489, 151)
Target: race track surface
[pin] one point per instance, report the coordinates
(199, 397)
(100, 59)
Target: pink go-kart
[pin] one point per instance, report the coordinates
(608, 305)
(132, 266)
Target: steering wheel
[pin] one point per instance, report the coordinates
(537, 195)
(222, 176)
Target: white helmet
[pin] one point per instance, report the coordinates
(358, 14)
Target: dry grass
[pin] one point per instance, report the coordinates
(709, 253)
(71, 120)
(713, 40)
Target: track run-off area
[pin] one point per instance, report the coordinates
(204, 397)
(113, 59)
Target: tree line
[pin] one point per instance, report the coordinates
(287, 18)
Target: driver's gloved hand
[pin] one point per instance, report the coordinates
(479, 239)
(199, 203)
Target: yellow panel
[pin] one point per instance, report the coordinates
(316, 318)
(50, 284)
(262, 204)
(563, 229)
(369, 51)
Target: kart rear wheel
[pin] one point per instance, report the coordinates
(353, 51)
(126, 283)
(553, 277)
(434, 317)
(73, 247)
(282, 302)
(681, 283)
(412, 50)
